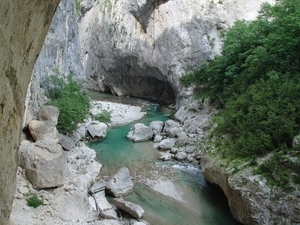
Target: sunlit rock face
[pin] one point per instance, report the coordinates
(141, 48)
(23, 27)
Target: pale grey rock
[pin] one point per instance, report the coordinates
(66, 142)
(172, 127)
(98, 130)
(78, 134)
(120, 184)
(166, 157)
(140, 132)
(167, 144)
(156, 127)
(45, 164)
(134, 210)
(157, 138)
(107, 222)
(182, 139)
(109, 214)
(174, 150)
(140, 223)
(85, 6)
(45, 127)
(190, 149)
(173, 132)
(181, 156)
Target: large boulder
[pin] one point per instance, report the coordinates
(120, 184)
(172, 128)
(44, 162)
(140, 132)
(134, 210)
(45, 127)
(97, 129)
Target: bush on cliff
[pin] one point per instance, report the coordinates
(71, 100)
(256, 83)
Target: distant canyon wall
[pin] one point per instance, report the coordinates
(141, 48)
(24, 25)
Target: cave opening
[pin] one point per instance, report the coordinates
(149, 88)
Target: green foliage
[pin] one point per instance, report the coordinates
(77, 6)
(71, 100)
(256, 83)
(34, 201)
(104, 116)
(280, 169)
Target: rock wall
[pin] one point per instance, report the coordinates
(23, 27)
(250, 199)
(60, 55)
(141, 48)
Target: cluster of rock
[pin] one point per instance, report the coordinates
(170, 138)
(44, 160)
(118, 186)
(58, 172)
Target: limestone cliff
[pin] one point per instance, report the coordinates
(23, 27)
(60, 53)
(141, 48)
(250, 199)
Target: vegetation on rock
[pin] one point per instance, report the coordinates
(255, 83)
(70, 98)
(34, 201)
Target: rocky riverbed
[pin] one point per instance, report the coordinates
(69, 203)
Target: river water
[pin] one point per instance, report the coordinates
(193, 201)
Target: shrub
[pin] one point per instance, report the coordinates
(34, 201)
(71, 100)
(104, 116)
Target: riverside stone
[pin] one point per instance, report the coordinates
(97, 130)
(120, 184)
(156, 127)
(166, 144)
(134, 210)
(181, 156)
(140, 132)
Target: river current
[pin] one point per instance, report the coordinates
(192, 201)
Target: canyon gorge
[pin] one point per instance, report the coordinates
(125, 48)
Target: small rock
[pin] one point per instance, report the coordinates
(134, 210)
(167, 144)
(181, 155)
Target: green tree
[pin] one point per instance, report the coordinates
(71, 100)
(256, 83)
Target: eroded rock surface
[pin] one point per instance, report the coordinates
(120, 184)
(44, 162)
(23, 27)
(140, 132)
